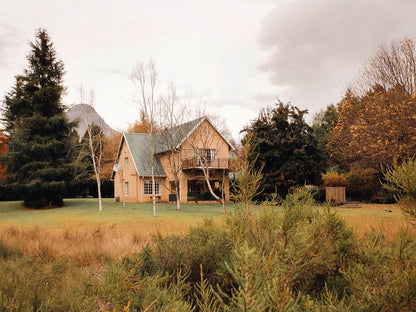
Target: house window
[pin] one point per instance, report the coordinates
(126, 187)
(172, 187)
(205, 156)
(126, 161)
(148, 188)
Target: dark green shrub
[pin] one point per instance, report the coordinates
(363, 184)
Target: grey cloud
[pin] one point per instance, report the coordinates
(317, 46)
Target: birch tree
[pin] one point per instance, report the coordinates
(96, 141)
(144, 77)
(172, 117)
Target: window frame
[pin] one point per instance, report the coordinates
(126, 188)
(147, 188)
(206, 156)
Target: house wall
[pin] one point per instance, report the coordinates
(204, 137)
(128, 174)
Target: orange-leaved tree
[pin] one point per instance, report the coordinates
(375, 129)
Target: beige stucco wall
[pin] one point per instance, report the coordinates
(205, 137)
(128, 174)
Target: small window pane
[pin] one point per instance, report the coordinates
(126, 187)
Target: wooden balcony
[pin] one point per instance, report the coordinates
(215, 163)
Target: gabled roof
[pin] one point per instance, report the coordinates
(174, 137)
(137, 144)
(177, 135)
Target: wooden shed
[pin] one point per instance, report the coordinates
(335, 194)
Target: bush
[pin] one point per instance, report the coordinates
(334, 179)
(401, 181)
(206, 245)
(363, 184)
(290, 256)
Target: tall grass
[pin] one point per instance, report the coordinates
(82, 245)
(292, 256)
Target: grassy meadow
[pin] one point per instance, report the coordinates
(289, 257)
(79, 231)
(85, 235)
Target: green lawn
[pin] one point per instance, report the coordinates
(79, 211)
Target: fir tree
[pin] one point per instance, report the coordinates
(286, 147)
(39, 161)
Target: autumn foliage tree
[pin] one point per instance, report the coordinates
(142, 125)
(375, 129)
(377, 117)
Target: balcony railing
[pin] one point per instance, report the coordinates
(215, 163)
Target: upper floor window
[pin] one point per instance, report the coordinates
(205, 156)
(126, 161)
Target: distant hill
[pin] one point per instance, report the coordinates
(86, 114)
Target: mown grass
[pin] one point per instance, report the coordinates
(85, 211)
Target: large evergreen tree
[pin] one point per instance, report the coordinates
(285, 145)
(38, 161)
(323, 125)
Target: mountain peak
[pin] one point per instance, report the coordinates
(87, 115)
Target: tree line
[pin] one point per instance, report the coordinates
(372, 127)
(349, 143)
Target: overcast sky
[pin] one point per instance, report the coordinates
(237, 56)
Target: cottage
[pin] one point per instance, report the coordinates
(186, 156)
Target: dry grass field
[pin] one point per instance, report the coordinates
(387, 218)
(79, 233)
